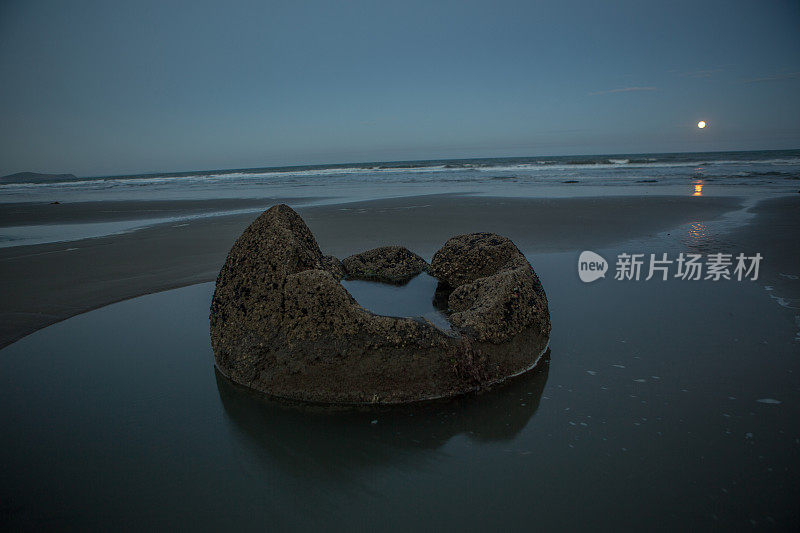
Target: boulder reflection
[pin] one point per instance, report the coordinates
(324, 441)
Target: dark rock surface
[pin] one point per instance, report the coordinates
(495, 292)
(281, 322)
(334, 266)
(389, 264)
(465, 258)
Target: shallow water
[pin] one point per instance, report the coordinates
(651, 414)
(413, 299)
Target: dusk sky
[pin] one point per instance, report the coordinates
(96, 88)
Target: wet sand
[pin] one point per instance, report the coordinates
(776, 230)
(43, 284)
(669, 399)
(30, 213)
(667, 405)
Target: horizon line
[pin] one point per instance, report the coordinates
(151, 173)
(333, 165)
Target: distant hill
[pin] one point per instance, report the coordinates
(35, 177)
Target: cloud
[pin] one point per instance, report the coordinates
(775, 77)
(624, 90)
(702, 73)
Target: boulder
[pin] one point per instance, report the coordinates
(494, 294)
(281, 323)
(389, 264)
(465, 258)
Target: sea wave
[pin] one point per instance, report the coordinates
(533, 166)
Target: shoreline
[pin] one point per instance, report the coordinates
(47, 283)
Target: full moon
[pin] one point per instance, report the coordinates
(701, 124)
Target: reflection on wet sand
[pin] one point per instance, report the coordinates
(698, 188)
(703, 240)
(697, 234)
(323, 441)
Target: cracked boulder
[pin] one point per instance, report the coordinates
(283, 324)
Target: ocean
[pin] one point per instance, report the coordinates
(754, 175)
(728, 172)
